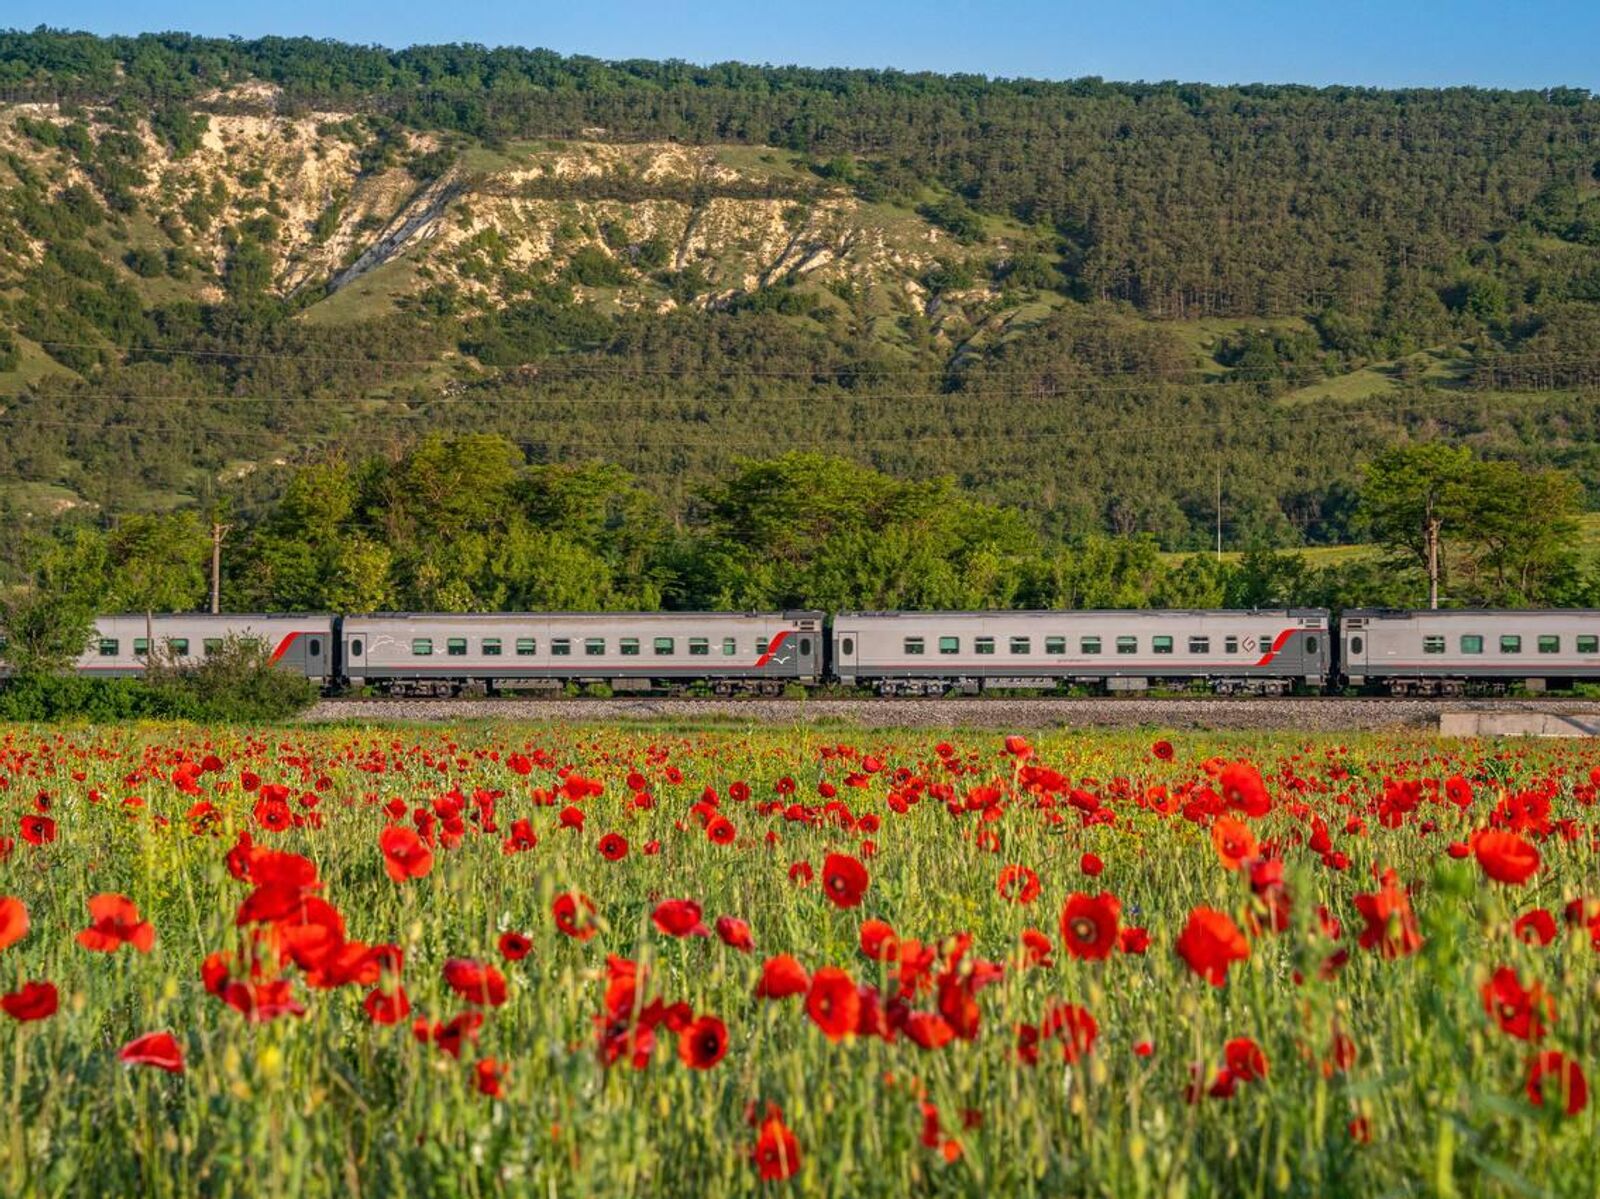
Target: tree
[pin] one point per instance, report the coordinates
(1524, 528)
(49, 622)
(158, 563)
(1412, 495)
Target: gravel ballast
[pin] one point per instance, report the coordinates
(1330, 715)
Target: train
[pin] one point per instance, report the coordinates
(1275, 651)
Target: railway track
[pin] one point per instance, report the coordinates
(1302, 713)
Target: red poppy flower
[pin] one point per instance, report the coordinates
(776, 1152)
(1018, 747)
(735, 933)
(1244, 790)
(1391, 924)
(679, 918)
(844, 879)
(1245, 1059)
(1521, 1012)
(1458, 791)
(833, 1003)
(1554, 1077)
(38, 830)
(114, 922)
(878, 941)
(451, 1036)
(475, 981)
(781, 977)
(405, 854)
(568, 917)
(1133, 940)
(1505, 857)
(1162, 750)
(720, 831)
(1089, 925)
(32, 1001)
(702, 1044)
(1074, 1027)
(489, 1076)
(1018, 884)
(800, 873)
(157, 1049)
(1091, 865)
(1234, 842)
(1036, 948)
(514, 946)
(613, 847)
(1537, 927)
(13, 921)
(387, 1007)
(1209, 943)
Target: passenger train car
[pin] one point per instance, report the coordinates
(1444, 652)
(441, 653)
(928, 653)
(120, 645)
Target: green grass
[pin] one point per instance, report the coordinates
(330, 1104)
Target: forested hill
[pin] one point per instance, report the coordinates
(1096, 301)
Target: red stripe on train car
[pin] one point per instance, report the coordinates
(783, 635)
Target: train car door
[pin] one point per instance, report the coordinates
(317, 650)
(846, 646)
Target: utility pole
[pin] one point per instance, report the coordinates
(218, 532)
(1219, 509)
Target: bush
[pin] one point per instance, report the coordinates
(237, 682)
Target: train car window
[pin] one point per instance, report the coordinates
(805, 647)
(1266, 642)
(1161, 645)
(422, 647)
(1311, 645)
(1588, 643)
(949, 645)
(490, 647)
(1549, 643)
(914, 646)
(109, 647)
(594, 647)
(141, 647)
(1511, 643)
(1089, 645)
(1230, 645)
(1199, 645)
(1356, 645)
(664, 646)
(699, 647)
(983, 645)
(178, 645)
(456, 647)
(314, 649)
(629, 647)
(561, 647)
(527, 646)
(1433, 645)
(1055, 645)
(730, 646)
(847, 646)
(355, 648)
(213, 645)
(1127, 645)
(1471, 643)
(761, 645)
(1021, 645)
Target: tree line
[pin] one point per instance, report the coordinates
(466, 524)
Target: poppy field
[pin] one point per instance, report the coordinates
(635, 961)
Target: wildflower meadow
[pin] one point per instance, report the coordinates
(659, 961)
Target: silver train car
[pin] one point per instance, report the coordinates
(447, 653)
(928, 653)
(120, 645)
(1443, 652)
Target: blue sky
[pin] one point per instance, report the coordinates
(1489, 43)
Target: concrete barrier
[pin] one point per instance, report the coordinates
(1517, 724)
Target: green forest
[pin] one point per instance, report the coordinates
(1044, 323)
